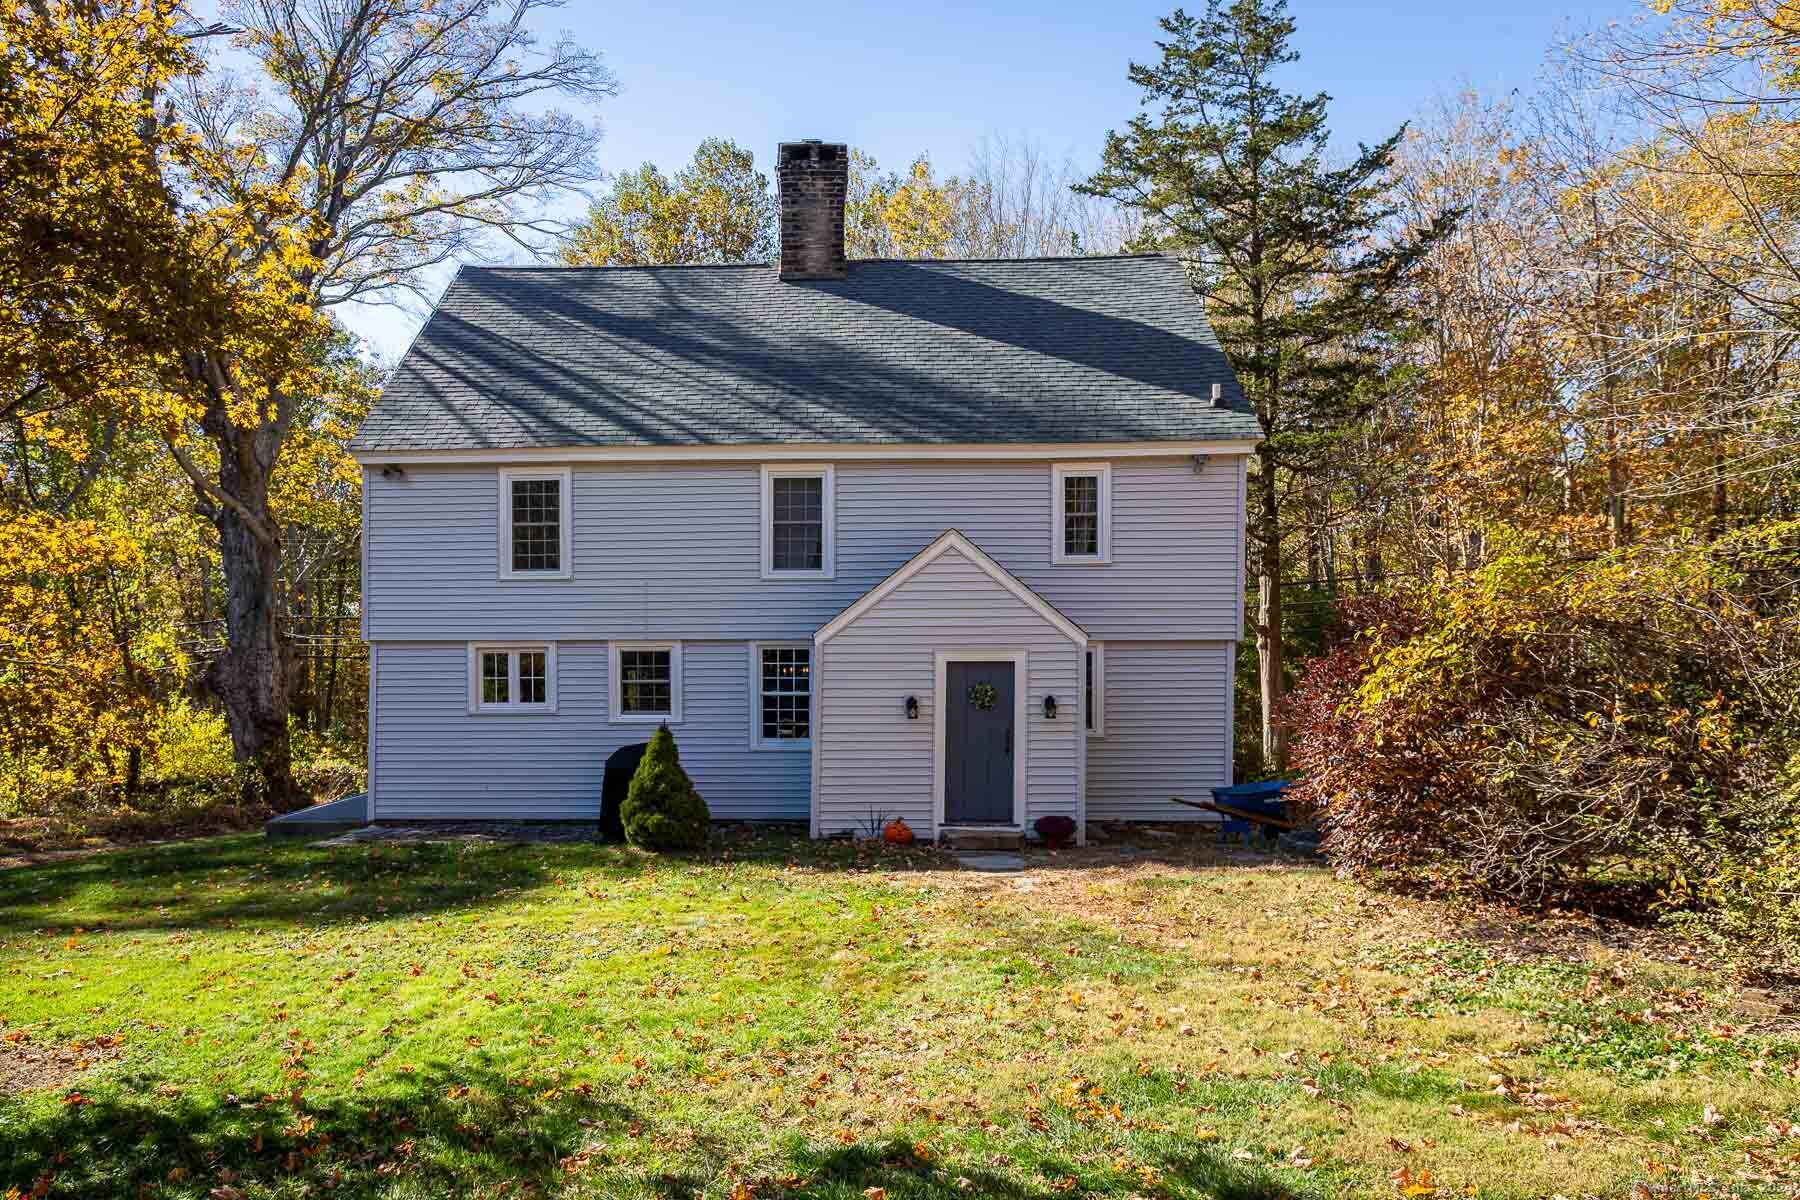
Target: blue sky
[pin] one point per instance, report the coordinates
(937, 76)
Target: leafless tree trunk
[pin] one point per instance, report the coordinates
(335, 630)
(1270, 651)
(250, 677)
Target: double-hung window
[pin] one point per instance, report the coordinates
(781, 694)
(799, 514)
(1081, 508)
(645, 679)
(534, 524)
(512, 679)
(1093, 695)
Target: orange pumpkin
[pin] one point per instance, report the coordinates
(897, 833)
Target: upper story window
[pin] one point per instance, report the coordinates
(645, 681)
(781, 683)
(1081, 505)
(799, 512)
(512, 679)
(534, 524)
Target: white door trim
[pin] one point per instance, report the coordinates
(940, 702)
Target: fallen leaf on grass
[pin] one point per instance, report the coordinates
(1411, 1184)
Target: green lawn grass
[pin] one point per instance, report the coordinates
(228, 1018)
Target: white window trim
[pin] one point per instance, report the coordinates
(757, 741)
(824, 471)
(511, 649)
(565, 521)
(1059, 472)
(1098, 650)
(615, 710)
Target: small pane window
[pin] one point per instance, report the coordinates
(512, 679)
(786, 691)
(537, 524)
(494, 672)
(1081, 516)
(646, 682)
(1093, 693)
(534, 679)
(1081, 513)
(797, 530)
(1087, 700)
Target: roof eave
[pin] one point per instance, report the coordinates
(801, 451)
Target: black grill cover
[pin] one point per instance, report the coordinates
(621, 765)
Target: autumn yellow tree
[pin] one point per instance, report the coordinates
(716, 209)
(98, 287)
(373, 141)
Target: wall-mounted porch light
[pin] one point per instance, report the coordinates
(912, 708)
(1050, 707)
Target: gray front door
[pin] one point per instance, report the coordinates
(978, 743)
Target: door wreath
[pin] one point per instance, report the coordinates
(983, 695)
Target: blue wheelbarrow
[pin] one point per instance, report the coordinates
(1248, 808)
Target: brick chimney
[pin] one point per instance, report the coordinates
(814, 177)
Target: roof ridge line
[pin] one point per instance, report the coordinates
(945, 262)
(613, 266)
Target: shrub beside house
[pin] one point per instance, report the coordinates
(662, 810)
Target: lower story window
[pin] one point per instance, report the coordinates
(646, 681)
(783, 699)
(1093, 699)
(512, 678)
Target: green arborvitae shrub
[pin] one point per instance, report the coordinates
(662, 811)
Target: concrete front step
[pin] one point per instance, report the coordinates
(990, 862)
(981, 839)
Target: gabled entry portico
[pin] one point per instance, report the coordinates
(994, 676)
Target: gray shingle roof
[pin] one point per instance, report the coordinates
(1022, 350)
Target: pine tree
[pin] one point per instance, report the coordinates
(1232, 175)
(662, 811)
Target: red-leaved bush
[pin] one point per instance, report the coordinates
(1523, 724)
(1380, 800)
